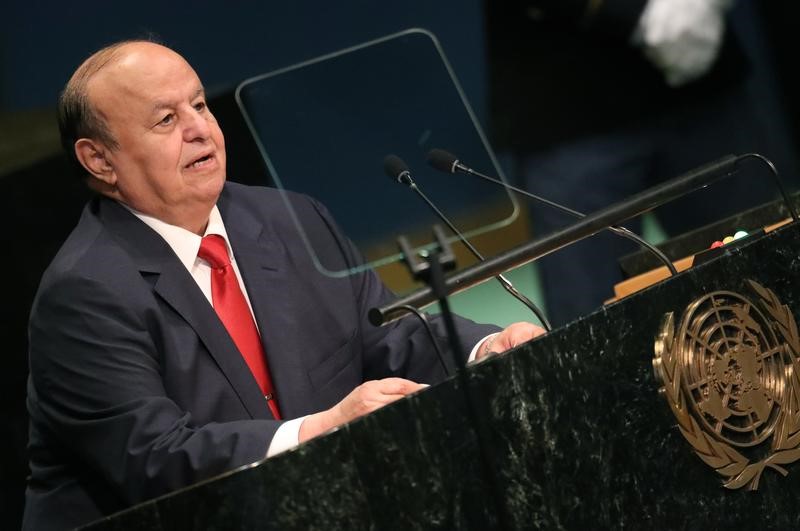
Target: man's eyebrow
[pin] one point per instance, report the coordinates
(159, 105)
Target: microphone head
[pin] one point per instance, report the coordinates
(442, 160)
(396, 169)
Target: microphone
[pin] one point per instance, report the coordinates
(446, 162)
(397, 170)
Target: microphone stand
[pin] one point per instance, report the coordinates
(619, 230)
(602, 219)
(397, 171)
(446, 162)
(504, 282)
(431, 271)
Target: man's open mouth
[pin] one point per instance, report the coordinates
(200, 162)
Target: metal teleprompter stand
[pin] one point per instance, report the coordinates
(430, 267)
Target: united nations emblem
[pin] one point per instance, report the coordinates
(732, 379)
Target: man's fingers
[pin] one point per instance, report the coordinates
(382, 401)
(370, 396)
(513, 336)
(379, 393)
(364, 399)
(377, 401)
(519, 333)
(397, 386)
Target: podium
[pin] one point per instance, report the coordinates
(581, 437)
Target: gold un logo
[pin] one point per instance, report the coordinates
(731, 378)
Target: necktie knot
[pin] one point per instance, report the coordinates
(214, 251)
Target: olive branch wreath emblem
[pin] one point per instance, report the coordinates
(736, 470)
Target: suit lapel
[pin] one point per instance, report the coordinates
(184, 296)
(178, 289)
(263, 263)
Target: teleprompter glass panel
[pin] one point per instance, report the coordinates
(324, 127)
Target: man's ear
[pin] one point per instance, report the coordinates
(92, 156)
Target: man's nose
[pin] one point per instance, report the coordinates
(197, 127)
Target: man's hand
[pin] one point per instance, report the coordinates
(364, 399)
(515, 334)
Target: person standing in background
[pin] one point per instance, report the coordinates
(595, 101)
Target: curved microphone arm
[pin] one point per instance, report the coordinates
(621, 231)
(421, 316)
(448, 163)
(398, 171)
(778, 181)
(633, 206)
(507, 285)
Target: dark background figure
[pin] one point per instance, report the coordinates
(590, 111)
(41, 44)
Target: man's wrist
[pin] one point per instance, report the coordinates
(317, 424)
(486, 347)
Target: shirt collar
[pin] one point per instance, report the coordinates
(185, 243)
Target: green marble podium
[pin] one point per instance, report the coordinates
(581, 438)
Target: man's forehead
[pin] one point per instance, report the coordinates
(158, 77)
(144, 61)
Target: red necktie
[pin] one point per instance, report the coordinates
(233, 311)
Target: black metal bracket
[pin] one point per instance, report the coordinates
(431, 270)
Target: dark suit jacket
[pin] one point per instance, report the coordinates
(135, 387)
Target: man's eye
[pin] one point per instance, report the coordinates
(200, 106)
(166, 120)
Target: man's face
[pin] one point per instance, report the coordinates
(170, 159)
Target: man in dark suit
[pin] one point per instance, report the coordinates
(138, 383)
